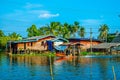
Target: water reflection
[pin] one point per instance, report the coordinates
(31, 62)
(58, 68)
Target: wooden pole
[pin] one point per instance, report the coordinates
(74, 51)
(91, 40)
(90, 53)
(114, 72)
(74, 55)
(51, 69)
(106, 35)
(10, 48)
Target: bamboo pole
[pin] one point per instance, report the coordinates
(51, 69)
(91, 40)
(113, 70)
(90, 53)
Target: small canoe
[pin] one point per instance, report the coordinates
(60, 55)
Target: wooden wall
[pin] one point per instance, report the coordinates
(86, 44)
(38, 45)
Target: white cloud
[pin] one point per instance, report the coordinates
(29, 14)
(29, 6)
(48, 15)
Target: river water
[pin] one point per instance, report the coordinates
(56, 68)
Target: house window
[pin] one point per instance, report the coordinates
(42, 43)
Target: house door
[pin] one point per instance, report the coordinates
(14, 48)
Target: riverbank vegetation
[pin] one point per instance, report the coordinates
(52, 54)
(5, 38)
(91, 53)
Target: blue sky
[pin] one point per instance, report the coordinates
(18, 15)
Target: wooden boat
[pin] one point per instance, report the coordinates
(60, 55)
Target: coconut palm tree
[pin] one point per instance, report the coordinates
(54, 26)
(75, 28)
(32, 31)
(82, 32)
(14, 36)
(103, 32)
(66, 30)
(60, 30)
(44, 30)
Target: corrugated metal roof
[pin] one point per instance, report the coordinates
(105, 45)
(39, 37)
(23, 41)
(31, 39)
(57, 39)
(84, 39)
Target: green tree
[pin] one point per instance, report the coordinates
(1, 33)
(110, 37)
(66, 30)
(54, 27)
(44, 30)
(75, 28)
(82, 32)
(1, 39)
(60, 30)
(3, 42)
(32, 31)
(103, 32)
(4, 39)
(14, 36)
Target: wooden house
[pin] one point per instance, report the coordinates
(85, 42)
(33, 43)
(111, 48)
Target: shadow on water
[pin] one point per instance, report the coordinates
(58, 68)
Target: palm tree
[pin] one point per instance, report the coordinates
(54, 26)
(14, 36)
(103, 32)
(44, 30)
(82, 32)
(75, 28)
(66, 30)
(32, 31)
(60, 30)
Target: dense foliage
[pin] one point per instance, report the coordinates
(5, 38)
(64, 30)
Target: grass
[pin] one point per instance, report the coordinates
(53, 54)
(35, 54)
(89, 53)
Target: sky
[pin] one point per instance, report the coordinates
(18, 15)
